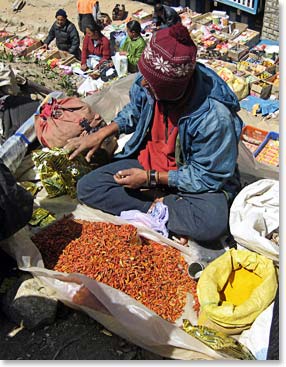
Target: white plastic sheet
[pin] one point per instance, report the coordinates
(112, 98)
(255, 213)
(256, 339)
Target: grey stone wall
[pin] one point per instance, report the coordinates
(270, 29)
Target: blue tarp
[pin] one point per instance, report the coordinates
(266, 106)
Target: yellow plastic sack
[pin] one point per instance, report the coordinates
(234, 289)
(237, 84)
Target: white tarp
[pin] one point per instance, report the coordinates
(255, 213)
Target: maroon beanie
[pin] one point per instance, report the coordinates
(168, 62)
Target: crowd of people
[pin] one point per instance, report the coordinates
(96, 48)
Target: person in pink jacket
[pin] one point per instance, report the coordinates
(95, 46)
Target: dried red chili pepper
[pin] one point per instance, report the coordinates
(153, 274)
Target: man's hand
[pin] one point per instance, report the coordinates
(132, 178)
(45, 47)
(84, 67)
(92, 141)
(77, 145)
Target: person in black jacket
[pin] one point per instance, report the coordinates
(165, 16)
(66, 35)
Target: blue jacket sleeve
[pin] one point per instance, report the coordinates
(211, 152)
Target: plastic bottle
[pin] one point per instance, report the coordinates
(14, 149)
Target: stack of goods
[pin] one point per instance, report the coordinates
(153, 274)
(58, 174)
(252, 137)
(268, 152)
(4, 35)
(263, 145)
(20, 47)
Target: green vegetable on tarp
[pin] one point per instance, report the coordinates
(219, 341)
(41, 217)
(58, 174)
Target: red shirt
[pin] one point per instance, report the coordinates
(159, 153)
(102, 49)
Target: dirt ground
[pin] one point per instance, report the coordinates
(39, 15)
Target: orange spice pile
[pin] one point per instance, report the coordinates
(149, 272)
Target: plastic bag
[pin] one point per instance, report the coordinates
(112, 98)
(237, 84)
(120, 63)
(89, 86)
(58, 174)
(112, 308)
(8, 82)
(254, 214)
(224, 315)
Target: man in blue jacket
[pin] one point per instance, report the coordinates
(185, 142)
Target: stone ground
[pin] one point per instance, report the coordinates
(73, 335)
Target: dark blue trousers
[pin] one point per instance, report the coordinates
(202, 217)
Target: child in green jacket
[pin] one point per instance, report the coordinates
(133, 45)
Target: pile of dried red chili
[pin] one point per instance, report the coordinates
(151, 273)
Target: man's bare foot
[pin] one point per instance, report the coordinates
(181, 240)
(184, 241)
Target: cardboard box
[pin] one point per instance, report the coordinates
(28, 50)
(251, 63)
(142, 16)
(269, 64)
(217, 64)
(236, 52)
(4, 35)
(248, 38)
(69, 60)
(260, 89)
(264, 75)
(275, 87)
(204, 19)
(234, 29)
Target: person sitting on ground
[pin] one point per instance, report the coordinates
(165, 16)
(133, 45)
(65, 33)
(186, 130)
(95, 49)
(87, 13)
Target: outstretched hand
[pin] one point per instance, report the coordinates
(82, 143)
(132, 178)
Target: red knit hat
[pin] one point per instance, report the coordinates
(168, 62)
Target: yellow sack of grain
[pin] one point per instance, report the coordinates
(234, 289)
